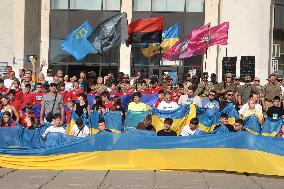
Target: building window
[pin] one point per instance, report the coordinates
(111, 4)
(279, 17)
(59, 4)
(86, 4)
(168, 5)
(144, 5)
(194, 5)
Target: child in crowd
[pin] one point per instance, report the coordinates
(28, 111)
(7, 120)
(191, 129)
(167, 128)
(30, 122)
(80, 130)
(147, 124)
(55, 127)
(102, 126)
(239, 125)
(68, 110)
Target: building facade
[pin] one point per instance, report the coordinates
(38, 27)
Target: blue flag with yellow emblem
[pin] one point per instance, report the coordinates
(169, 37)
(76, 42)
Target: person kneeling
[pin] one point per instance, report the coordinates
(55, 127)
(225, 124)
(191, 129)
(102, 126)
(167, 128)
(80, 130)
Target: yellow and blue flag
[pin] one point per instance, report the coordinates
(77, 44)
(169, 37)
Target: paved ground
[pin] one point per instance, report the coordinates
(42, 179)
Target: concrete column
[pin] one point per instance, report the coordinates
(7, 31)
(12, 24)
(44, 42)
(125, 52)
(211, 16)
(249, 34)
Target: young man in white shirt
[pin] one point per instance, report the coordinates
(191, 129)
(55, 127)
(80, 130)
(167, 103)
(245, 107)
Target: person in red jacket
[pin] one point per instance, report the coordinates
(28, 111)
(65, 94)
(144, 88)
(3, 89)
(93, 90)
(77, 90)
(127, 89)
(38, 94)
(155, 89)
(105, 98)
(28, 97)
(13, 101)
(19, 93)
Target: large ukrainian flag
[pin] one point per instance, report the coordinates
(240, 152)
(170, 37)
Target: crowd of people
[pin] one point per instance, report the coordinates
(59, 95)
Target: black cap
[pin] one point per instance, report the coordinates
(53, 85)
(79, 121)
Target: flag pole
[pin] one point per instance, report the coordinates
(134, 72)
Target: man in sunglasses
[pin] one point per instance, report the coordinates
(229, 100)
(210, 102)
(227, 84)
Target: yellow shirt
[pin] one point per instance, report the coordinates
(252, 112)
(137, 107)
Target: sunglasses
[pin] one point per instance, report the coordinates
(237, 80)
(211, 94)
(257, 80)
(230, 94)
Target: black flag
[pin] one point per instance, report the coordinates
(109, 33)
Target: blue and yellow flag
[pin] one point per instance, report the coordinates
(76, 42)
(170, 36)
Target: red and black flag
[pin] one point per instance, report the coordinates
(147, 30)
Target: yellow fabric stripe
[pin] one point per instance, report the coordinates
(252, 132)
(152, 49)
(205, 128)
(70, 127)
(231, 120)
(238, 160)
(95, 131)
(273, 134)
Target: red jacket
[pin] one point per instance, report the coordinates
(38, 97)
(66, 96)
(28, 98)
(75, 92)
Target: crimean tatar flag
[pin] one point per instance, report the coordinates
(76, 42)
